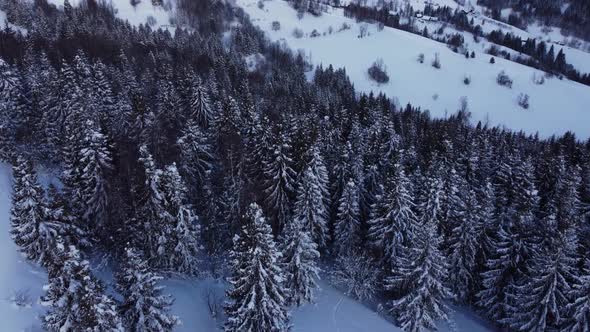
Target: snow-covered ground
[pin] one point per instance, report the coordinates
(138, 14)
(556, 107)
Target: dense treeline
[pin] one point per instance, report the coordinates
(176, 158)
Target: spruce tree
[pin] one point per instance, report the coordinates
(279, 186)
(300, 259)
(31, 230)
(392, 216)
(77, 300)
(419, 276)
(144, 307)
(579, 307)
(540, 301)
(347, 225)
(257, 294)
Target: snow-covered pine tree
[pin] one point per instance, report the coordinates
(169, 224)
(419, 276)
(95, 162)
(309, 209)
(200, 104)
(392, 216)
(279, 186)
(181, 248)
(300, 259)
(540, 300)
(347, 225)
(499, 275)
(195, 153)
(257, 294)
(32, 231)
(144, 307)
(463, 249)
(579, 307)
(77, 300)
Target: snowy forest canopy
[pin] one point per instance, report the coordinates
(176, 158)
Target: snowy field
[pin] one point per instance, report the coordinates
(555, 107)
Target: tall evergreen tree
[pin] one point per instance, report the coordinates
(144, 307)
(279, 186)
(77, 300)
(300, 259)
(257, 294)
(347, 225)
(419, 276)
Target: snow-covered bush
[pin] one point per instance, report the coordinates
(314, 34)
(276, 25)
(344, 26)
(297, 33)
(523, 101)
(378, 72)
(436, 61)
(467, 80)
(260, 4)
(363, 30)
(356, 276)
(421, 57)
(151, 21)
(504, 80)
(538, 79)
(21, 298)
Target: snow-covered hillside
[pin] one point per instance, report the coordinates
(138, 14)
(556, 107)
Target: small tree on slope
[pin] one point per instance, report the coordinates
(144, 307)
(257, 295)
(420, 276)
(300, 258)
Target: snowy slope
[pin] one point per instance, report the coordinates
(16, 274)
(136, 15)
(556, 107)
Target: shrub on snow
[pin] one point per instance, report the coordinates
(504, 80)
(378, 72)
(523, 101)
(276, 26)
(297, 33)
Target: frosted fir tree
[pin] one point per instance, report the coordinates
(540, 302)
(464, 244)
(182, 246)
(195, 153)
(279, 186)
(156, 221)
(392, 216)
(144, 307)
(347, 225)
(310, 210)
(200, 104)
(77, 300)
(32, 232)
(170, 225)
(257, 294)
(579, 307)
(499, 275)
(420, 277)
(95, 163)
(300, 259)
(430, 208)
